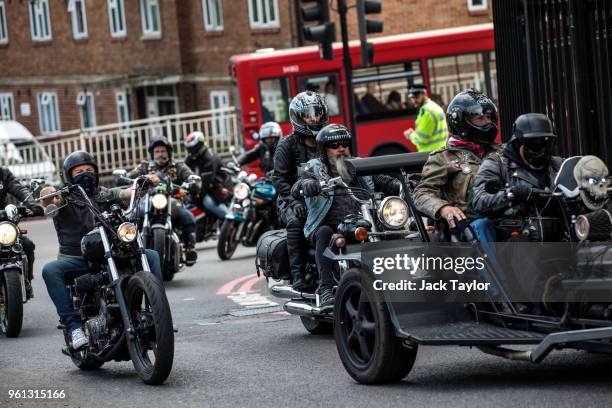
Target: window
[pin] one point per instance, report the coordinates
(263, 13)
(85, 101)
(382, 92)
(220, 120)
(3, 27)
(477, 5)
(213, 15)
(48, 113)
(449, 75)
(327, 86)
(79, 19)
(7, 106)
(123, 106)
(116, 18)
(275, 97)
(40, 20)
(149, 13)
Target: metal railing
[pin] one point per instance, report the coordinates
(124, 145)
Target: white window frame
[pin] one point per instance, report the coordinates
(477, 7)
(46, 124)
(116, 9)
(123, 106)
(40, 20)
(87, 109)
(220, 121)
(3, 26)
(214, 10)
(149, 8)
(74, 17)
(263, 6)
(6, 98)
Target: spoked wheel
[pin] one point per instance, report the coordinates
(85, 362)
(317, 326)
(228, 241)
(11, 303)
(152, 349)
(365, 336)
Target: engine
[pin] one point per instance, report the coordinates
(98, 332)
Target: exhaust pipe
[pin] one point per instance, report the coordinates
(521, 355)
(287, 292)
(304, 309)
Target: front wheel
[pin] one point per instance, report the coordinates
(228, 241)
(152, 349)
(11, 304)
(365, 337)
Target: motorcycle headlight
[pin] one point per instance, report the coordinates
(127, 232)
(393, 212)
(8, 233)
(159, 201)
(241, 191)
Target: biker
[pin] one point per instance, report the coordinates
(161, 161)
(10, 185)
(269, 134)
(206, 163)
(524, 164)
(308, 115)
(448, 174)
(325, 213)
(72, 222)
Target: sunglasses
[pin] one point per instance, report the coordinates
(336, 145)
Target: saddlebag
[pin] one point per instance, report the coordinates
(272, 257)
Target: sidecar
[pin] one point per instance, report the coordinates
(378, 333)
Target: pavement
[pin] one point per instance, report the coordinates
(235, 348)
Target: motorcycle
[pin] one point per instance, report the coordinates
(123, 307)
(251, 213)
(158, 232)
(378, 335)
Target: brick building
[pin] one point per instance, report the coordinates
(67, 64)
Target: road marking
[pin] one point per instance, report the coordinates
(240, 291)
(189, 299)
(227, 288)
(248, 285)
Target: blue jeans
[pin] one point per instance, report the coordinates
(219, 209)
(56, 273)
(485, 233)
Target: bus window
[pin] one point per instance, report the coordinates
(327, 86)
(381, 92)
(274, 96)
(449, 75)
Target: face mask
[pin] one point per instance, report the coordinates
(87, 180)
(483, 134)
(537, 159)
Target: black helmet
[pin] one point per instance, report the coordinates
(92, 247)
(270, 129)
(465, 105)
(78, 158)
(331, 133)
(160, 141)
(535, 132)
(308, 106)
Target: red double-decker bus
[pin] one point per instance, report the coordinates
(446, 61)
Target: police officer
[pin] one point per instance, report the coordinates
(206, 163)
(72, 222)
(448, 175)
(525, 163)
(10, 185)
(160, 151)
(431, 131)
(269, 134)
(325, 213)
(308, 115)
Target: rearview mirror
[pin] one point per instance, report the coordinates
(36, 184)
(119, 173)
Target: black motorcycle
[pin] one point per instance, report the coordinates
(123, 307)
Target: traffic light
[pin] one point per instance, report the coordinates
(325, 31)
(365, 7)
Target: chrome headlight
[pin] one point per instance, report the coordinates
(127, 232)
(393, 212)
(159, 201)
(8, 233)
(11, 212)
(241, 191)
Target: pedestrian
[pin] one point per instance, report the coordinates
(431, 130)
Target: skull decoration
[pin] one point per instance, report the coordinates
(591, 174)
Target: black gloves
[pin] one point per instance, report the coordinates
(299, 210)
(311, 188)
(519, 193)
(35, 210)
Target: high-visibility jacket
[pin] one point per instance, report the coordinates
(430, 132)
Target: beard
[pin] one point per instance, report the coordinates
(340, 163)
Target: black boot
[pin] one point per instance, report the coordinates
(191, 256)
(326, 296)
(295, 245)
